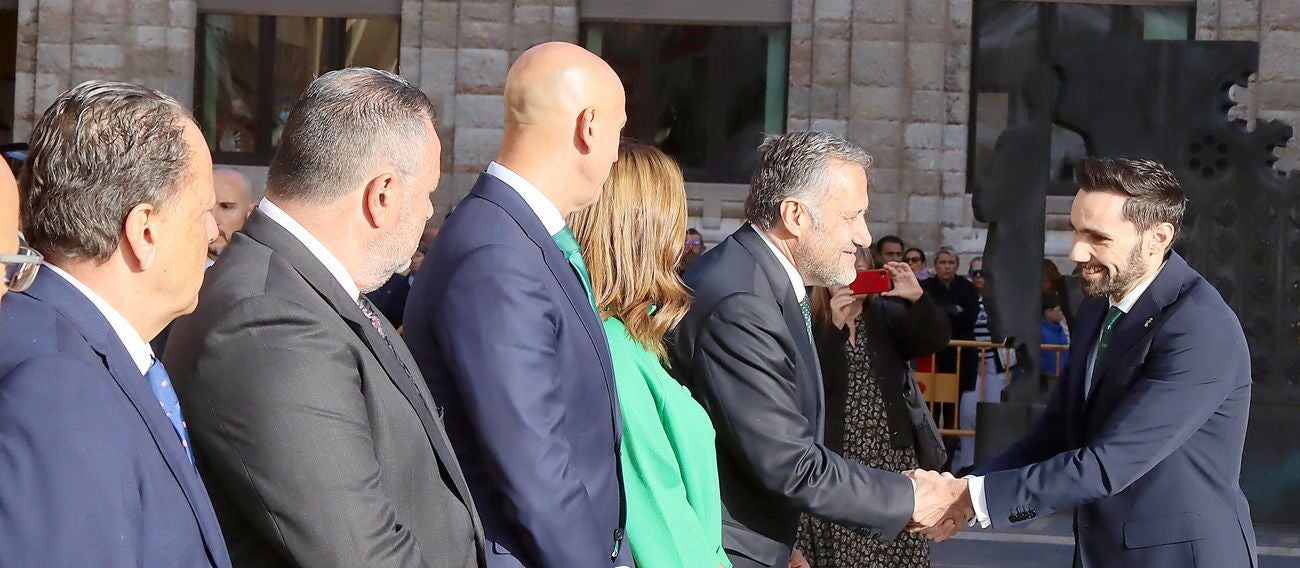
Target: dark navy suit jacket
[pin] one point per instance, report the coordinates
(93, 473)
(506, 338)
(1151, 460)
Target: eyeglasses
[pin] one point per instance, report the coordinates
(694, 243)
(977, 273)
(21, 268)
(914, 259)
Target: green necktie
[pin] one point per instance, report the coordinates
(569, 246)
(1107, 325)
(805, 306)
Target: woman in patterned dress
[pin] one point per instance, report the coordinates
(864, 343)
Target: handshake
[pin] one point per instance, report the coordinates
(943, 504)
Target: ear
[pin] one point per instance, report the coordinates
(585, 137)
(1162, 238)
(139, 245)
(795, 217)
(381, 201)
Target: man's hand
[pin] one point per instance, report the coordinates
(942, 507)
(797, 560)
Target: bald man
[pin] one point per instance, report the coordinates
(8, 219)
(234, 205)
(505, 332)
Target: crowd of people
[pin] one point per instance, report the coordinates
(557, 392)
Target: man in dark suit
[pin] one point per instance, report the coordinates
(506, 332)
(312, 425)
(96, 468)
(1143, 437)
(745, 351)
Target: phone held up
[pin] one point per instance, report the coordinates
(872, 282)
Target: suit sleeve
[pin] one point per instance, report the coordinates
(743, 354)
(1185, 380)
(277, 412)
(1045, 440)
(53, 510)
(497, 331)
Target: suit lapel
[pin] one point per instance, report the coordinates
(78, 309)
(498, 192)
(262, 229)
(1091, 315)
(777, 278)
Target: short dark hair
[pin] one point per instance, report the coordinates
(794, 165)
(880, 244)
(1155, 196)
(343, 121)
(99, 151)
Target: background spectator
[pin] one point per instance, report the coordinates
(1054, 333)
(915, 258)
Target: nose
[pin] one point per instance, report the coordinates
(862, 233)
(1080, 252)
(210, 222)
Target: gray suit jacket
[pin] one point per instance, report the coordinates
(316, 446)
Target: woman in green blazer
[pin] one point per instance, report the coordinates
(632, 240)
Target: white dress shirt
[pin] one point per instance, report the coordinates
(136, 346)
(796, 279)
(541, 205)
(318, 250)
(1125, 304)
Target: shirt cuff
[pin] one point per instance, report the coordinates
(976, 485)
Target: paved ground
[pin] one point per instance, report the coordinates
(1047, 543)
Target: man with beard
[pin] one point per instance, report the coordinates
(1143, 436)
(234, 205)
(745, 351)
(312, 425)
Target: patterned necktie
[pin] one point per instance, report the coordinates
(805, 306)
(568, 244)
(161, 384)
(373, 315)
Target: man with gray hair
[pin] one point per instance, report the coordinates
(94, 450)
(745, 351)
(311, 422)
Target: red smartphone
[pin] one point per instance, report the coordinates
(872, 282)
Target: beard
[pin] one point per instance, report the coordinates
(821, 261)
(392, 255)
(1113, 283)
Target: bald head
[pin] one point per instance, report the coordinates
(234, 204)
(564, 113)
(8, 214)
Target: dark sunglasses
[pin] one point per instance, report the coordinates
(20, 269)
(977, 273)
(913, 259)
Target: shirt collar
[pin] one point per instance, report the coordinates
(136, 346)
(539, 203)
(795, 279)
(1126, 303)
(327, 258)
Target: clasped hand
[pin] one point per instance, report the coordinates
(943, 505)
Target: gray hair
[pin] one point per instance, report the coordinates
(343, 123)
(794, 166)
(99, 151)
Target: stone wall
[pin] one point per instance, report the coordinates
(458, 53)
(894, 77)
(64, 42)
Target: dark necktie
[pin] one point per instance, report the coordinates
(161, 384)
(568, 244)
(1107, 326)
(805, 306)
(373, 314)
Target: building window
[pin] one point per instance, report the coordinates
(251, 70)
(1015, 39)
(8, 72)
(705, 95)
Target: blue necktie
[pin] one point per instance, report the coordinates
(161, 384)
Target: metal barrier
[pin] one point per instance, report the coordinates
(944, 387)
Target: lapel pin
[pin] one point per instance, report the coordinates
(1148, 322)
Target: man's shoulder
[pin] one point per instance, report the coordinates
(31, 328)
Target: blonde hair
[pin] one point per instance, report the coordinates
(632, 241)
